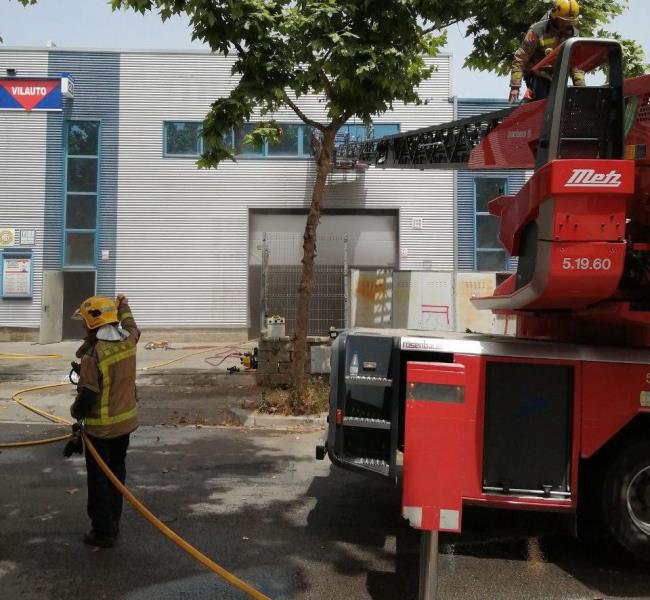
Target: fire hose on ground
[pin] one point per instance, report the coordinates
(233, 580)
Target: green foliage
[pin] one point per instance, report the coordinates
(498, 34)
(264, 132)
(633, 56)
(361, 55)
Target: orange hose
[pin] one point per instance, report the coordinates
(167, 532)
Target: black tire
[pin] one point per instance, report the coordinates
(626, 498)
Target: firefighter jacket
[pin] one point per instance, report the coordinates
(541, 39)
(108, 369)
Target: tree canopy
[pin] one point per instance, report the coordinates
(361, 55)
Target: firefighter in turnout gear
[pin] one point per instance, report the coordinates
(106, 401)
(541, 39)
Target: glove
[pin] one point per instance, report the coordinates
(75, 445)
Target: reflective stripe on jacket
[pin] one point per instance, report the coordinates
(110, 369)
(540, 39)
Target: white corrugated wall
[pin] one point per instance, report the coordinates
(178, 236)
(23, 140)
(182, 233)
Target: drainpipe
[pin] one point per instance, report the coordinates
(455, 224)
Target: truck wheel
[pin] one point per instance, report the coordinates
(626, 498)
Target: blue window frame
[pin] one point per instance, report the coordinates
(489, 254)
(182, 138)
(295, 142)
(81, 193)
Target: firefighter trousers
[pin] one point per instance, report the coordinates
(104, 500)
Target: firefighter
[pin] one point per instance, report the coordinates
(106, 401)
(542, 37)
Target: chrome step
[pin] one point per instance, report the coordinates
(366, 423)
(370, 381)
(372, 464)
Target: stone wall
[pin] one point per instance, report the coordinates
(275, 359)
(18, 334)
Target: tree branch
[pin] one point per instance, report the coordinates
(327, 84)
(440, 26)
(301, 114)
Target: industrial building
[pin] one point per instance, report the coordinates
(101, 194)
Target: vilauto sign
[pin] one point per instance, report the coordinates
(30, 94)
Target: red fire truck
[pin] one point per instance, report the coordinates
(558, 417)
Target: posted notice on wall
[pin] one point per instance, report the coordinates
(16, 277)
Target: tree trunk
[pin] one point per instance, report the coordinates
(309, 254)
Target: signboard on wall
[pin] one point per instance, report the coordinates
(27, 237)
(17, 276)
(30, 94)
(10, 236)
(7, 237)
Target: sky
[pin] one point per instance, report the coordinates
(92, 24)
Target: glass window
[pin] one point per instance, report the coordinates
(288, 144)
(243, 149)
(487, 231)
(379, 130)
(83, 138)
(183, 138)
(488, 188)
(309, 140)
(491, 260)
(80, 249)
(81, 211)
(81, 198)
(296, 140)
(353, 132)
(82, 174)
(490, 255)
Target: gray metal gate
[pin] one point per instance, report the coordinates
(280, 278)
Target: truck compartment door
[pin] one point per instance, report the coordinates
(434, 445)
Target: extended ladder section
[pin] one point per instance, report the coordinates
(445, 146)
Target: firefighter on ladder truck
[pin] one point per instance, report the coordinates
(571, 391)
(541, 39)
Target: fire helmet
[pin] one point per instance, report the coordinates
(97, 311)
(567, 10)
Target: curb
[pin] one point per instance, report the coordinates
(250, 418)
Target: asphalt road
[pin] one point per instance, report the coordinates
(261, 506)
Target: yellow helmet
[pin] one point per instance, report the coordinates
(567, 10)
(97, 311)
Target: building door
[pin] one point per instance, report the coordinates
(361, 239)
(77, 286)
(51, 307)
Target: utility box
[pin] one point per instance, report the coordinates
(275, 326)
(320, 359)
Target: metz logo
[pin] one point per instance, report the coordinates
(589, 178)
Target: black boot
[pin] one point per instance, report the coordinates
(92, 538)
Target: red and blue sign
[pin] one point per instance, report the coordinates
(30, 94)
